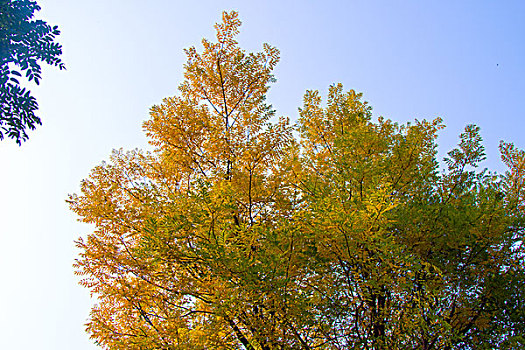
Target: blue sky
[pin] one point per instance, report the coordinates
(461, 60)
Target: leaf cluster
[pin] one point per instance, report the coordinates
(24, 43)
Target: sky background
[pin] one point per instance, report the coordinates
(463, 61)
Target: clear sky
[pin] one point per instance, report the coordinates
(461, 60)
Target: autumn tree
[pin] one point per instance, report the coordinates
(234, 234)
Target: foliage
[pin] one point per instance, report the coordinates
(24, 43)
(233, 234)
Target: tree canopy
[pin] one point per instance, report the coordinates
(24, 43)
(243, 231)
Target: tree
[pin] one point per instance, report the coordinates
(232, 234)
(24, 43)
